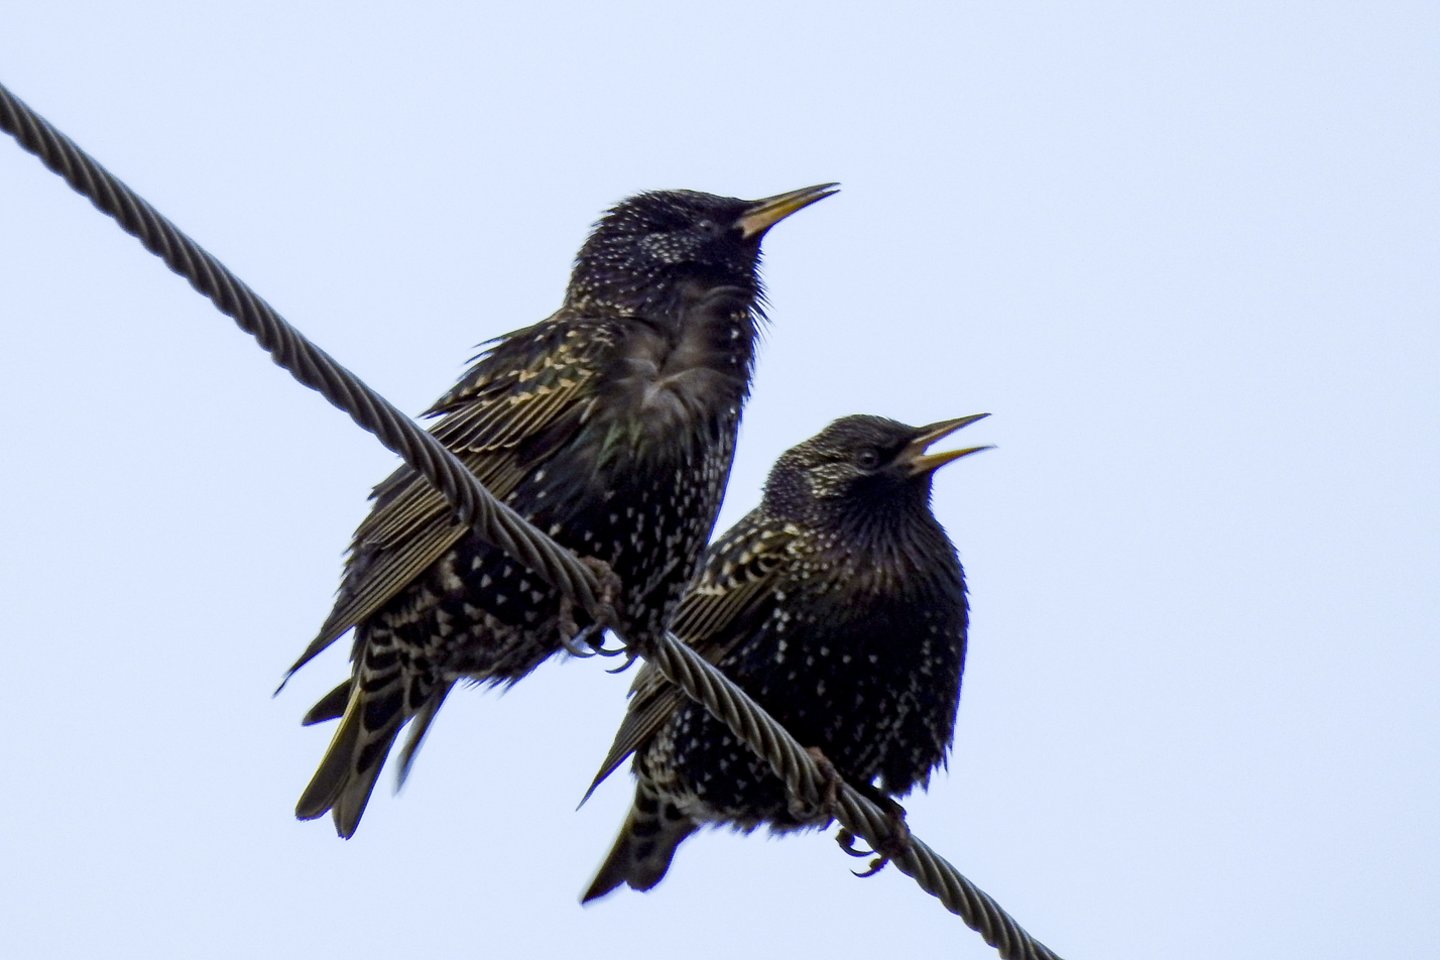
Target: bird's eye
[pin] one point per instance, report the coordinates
(708, 227)
(868, 458)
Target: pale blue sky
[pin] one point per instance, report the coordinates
(1185, 253)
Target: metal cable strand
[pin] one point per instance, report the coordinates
(792, 763)
(306, 362)
(493, 520)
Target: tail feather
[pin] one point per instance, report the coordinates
(376, 709)
(331, 706)
(418, 731)
(646, 845)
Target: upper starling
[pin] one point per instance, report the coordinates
(839, 606)
(610, 426)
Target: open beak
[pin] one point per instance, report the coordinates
(764, 214)
(916, 461)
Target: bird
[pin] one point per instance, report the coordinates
(610, 426)
(839, 605)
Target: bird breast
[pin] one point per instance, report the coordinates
(684, 380)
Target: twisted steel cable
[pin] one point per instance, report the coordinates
(474, 505)
(305, 361)
(703, 683)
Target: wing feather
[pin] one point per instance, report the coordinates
(734, 591)
(534, 381)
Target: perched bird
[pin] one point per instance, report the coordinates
(839, 606)
(610, 426)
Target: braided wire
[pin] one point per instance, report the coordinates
(475, 506)
(306, 362)
(704, 683)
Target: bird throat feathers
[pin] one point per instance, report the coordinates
(683, 376)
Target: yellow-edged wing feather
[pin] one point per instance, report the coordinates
(527, 394)
(734, 591)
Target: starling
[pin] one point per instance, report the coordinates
(610, 426)
(839, 606)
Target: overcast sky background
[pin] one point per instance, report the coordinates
(1185, 253)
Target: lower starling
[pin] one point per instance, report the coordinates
(610, 426)
(839, 606)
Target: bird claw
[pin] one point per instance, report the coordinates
(876, 866)
(576, 647)
(573, 639)
(630, 657)
(614, 651)
(895, 843)
(572, 634)
(846, 840)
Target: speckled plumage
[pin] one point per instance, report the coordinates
(610, 425)
(839, 606)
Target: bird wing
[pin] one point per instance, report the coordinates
(735, 590)
(525, 396)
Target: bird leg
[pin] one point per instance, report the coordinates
(830, 782)
(894, 843)
(571, 634)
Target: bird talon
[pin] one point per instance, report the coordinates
(629, 661)
(614, 651)
(876, 866)
(846, 840)
(572, 638)
(894, 844)
(604, 614)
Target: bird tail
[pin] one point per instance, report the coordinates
(645, 847)
(376, 708)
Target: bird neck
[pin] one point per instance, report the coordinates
(676, 379)
(891, 544)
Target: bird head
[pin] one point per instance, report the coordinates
(864, 468)
(654, 248)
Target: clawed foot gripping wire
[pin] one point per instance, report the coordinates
(499, 524)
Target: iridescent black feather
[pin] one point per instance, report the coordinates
(839, 606)
(611, 426)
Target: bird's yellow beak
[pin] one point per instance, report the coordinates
(764, 214)
(917, 461)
